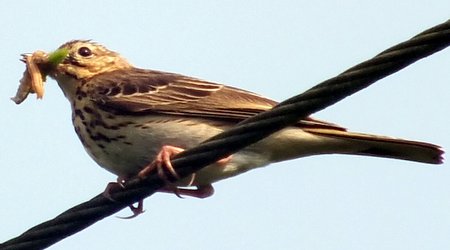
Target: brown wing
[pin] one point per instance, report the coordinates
(140, 92)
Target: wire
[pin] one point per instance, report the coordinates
(238, 137)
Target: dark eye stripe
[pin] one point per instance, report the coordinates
(72, 60)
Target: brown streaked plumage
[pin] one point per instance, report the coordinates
(124, 116)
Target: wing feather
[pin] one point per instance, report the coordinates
(141, 92)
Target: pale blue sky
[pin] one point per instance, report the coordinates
(276, 48)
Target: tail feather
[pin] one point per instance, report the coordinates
(388, 147)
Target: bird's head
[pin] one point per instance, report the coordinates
(86, 59)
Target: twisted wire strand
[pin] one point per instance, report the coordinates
(247, 132)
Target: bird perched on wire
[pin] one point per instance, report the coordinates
(125, 117)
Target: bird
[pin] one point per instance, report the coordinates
(132, 120)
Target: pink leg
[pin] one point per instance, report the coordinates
(203, 191)
(163, 161)
(114, 186)
(225, 160)
(137, 210)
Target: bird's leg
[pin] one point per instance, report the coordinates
(162, 162)
(137, 210)
(202, 191)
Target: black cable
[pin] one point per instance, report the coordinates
(238, 137)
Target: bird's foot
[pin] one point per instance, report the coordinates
(163, 162)
(137, 210)
(201, 192)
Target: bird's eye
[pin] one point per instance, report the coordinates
(84, 51)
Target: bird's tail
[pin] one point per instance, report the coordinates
(387, 147)
(329, 141)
